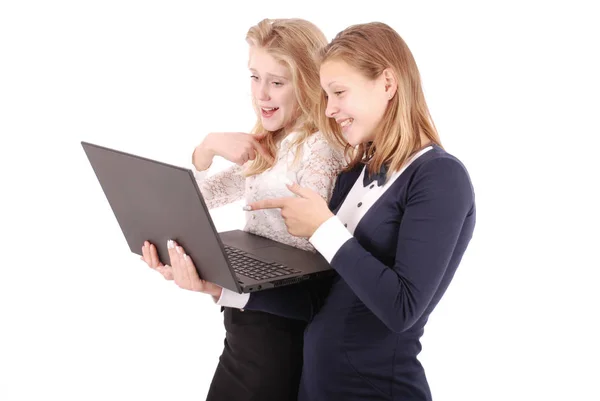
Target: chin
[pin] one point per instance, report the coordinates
(359, 137)
(352, 140)
(271, 125)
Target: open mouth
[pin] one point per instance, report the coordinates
(268, 111)
(346, 123)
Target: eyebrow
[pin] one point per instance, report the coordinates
(270, 75)
(329, 85)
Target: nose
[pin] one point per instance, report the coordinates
(263, 92)
(332, 109)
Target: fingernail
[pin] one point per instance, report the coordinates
(247, 208)
(288, 181)
(185, 256)
(170, 244)
(179, 250)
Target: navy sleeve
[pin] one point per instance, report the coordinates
(439, 199)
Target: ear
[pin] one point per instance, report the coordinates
(390, 82)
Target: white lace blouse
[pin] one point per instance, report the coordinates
(316, 169)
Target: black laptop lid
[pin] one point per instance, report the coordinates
(156, 201)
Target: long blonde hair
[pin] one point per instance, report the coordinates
(371, 48)
(295, 43)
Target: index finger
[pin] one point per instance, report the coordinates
(268, 204)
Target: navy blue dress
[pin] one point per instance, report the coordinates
(365, 323)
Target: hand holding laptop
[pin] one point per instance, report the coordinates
(185, 274)
(182, 269)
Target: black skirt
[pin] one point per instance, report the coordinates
(261, 360)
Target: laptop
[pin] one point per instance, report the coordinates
(156, 201)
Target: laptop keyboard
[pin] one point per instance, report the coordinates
(245, 265)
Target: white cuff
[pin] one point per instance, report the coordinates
(233, 299)
(329, 237)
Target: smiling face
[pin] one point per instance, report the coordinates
(272, 90)
(356, 102)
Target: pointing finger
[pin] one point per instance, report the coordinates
(267, 204)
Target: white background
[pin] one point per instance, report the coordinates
(513, 88)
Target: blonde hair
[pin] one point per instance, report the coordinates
(295, 43)
(371, 48)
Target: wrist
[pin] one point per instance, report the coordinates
(326, 216)
(203, 155)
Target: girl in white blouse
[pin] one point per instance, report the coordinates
(291, 142)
